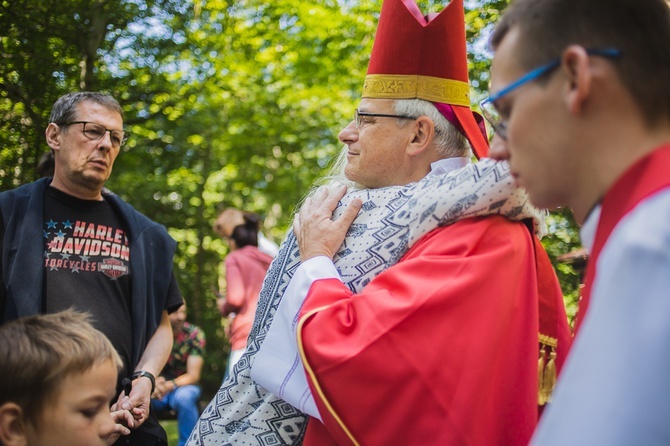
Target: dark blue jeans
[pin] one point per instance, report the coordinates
(184, 401)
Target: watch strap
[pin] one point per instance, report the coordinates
(144, 373)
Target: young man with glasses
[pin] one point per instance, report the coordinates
(67, 242)
(408, 314)
(592, 132)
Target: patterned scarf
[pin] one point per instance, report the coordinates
(391, 221)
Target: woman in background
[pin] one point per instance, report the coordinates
(245, 270)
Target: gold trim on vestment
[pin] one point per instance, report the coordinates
(312, 375)
(546, 369)
(548, 340)
(433, 89)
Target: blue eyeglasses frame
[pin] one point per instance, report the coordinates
(546, 68)
(488, 106)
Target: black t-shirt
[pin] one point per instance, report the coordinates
(87, 265)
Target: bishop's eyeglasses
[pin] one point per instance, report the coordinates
(359, 116)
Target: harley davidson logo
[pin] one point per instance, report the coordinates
(113, 268)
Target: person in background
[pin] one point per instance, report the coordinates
(66, 242)
(45, 168)
(177, 386)
(58, 380)
(580, 100)
(245, 267)
(229, 218)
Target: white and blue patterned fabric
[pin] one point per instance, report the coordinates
(391, 220)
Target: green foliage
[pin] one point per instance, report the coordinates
(229, 104)
(172, 431)
(563, 238)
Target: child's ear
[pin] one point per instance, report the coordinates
(12, 425)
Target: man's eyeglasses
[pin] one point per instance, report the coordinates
(488, 105)
(359, 114)
(96, 132)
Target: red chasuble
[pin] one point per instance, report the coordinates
(441, 348)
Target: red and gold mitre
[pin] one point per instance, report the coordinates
(414, 56)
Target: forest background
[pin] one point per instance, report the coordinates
(229, 103)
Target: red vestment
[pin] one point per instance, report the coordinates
(441, 348)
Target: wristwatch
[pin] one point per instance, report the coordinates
(146, 374)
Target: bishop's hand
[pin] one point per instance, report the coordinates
(316, 231)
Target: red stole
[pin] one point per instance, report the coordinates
(643, 179)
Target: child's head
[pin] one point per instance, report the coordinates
(58, 378)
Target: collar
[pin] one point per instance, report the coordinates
(446, 165)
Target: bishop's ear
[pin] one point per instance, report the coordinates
(424, 132)
(12, 425)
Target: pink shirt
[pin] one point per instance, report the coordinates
(245, 271)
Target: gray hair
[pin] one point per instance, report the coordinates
(65, 108)
(449, 142)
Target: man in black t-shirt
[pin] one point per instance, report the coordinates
(68, 243)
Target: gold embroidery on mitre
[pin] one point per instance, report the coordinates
(546, 369)
(434, 89)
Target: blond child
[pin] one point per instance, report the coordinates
(57, 379)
